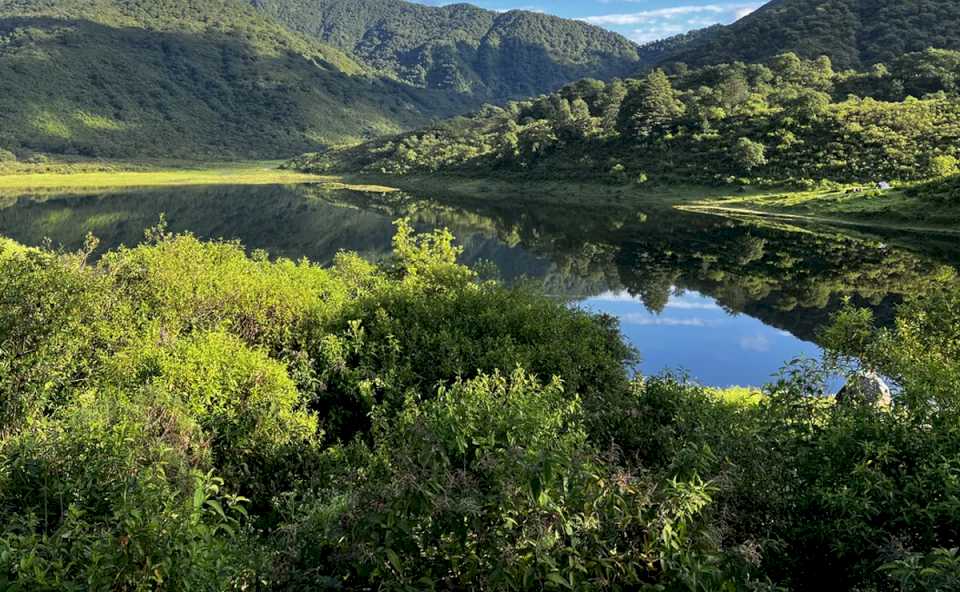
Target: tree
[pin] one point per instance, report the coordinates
(750, 154)
(611, 102)
(943, 165)
(651, 107)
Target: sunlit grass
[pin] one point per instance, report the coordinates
(66, 180)
(895, 208)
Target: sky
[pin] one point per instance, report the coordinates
(639, 20)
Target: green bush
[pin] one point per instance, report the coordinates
(252, 416)
(492, 484)
(108, 495)
(410, 426)
(55, 313)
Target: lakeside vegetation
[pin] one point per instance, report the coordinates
(183, 416)
(931, 206)
(789, 277)
(787, 121)
(80, 177)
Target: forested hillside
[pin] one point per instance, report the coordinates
(853, 33)
(784, 120)
(176, 78)
(487, 55)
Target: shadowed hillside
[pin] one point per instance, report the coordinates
(183, 78)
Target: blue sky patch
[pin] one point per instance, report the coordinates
(639, 20)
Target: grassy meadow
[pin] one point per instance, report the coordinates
(73, 176)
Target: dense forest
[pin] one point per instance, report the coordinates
(486, 55)
(788, 119)
(852, 33)
(183, 416)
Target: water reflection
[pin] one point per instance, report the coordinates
(696, 335)
(728, 300)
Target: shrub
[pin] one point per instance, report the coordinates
(492, 484)
(248, 407)
(943, 165)
(185, 285)
(107, 495)
(54, 314)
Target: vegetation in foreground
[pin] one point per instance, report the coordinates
(183, 416)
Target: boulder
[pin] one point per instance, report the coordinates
(866, 388)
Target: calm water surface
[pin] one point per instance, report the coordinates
(726, 301)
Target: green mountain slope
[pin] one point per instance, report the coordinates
(852, 33)
(184, 78)
(785, 120)
(488, 55)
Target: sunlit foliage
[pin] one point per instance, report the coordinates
(185, 416)
(784, 120)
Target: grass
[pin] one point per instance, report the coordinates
(67, 177)
(895, 209)
(870, 211)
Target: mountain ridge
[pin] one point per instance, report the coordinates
(852, 33)
(492, 56)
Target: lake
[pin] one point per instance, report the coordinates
(726, 301)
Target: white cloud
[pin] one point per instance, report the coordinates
(651, 321)
(658, 23)
(755, 343)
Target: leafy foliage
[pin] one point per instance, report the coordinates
(186, 416)
(852, 33)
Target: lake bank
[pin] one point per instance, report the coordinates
(900, 209)
(904, 208)
(78, 176)
(896, 209)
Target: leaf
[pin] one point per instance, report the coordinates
(394, 560)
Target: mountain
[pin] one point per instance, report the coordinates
(185, 78)
(853, 33)
(488, 55)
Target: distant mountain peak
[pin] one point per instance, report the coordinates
(492, 56)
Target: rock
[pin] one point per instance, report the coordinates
(866, 388)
